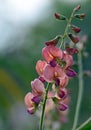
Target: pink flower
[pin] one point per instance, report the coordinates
(29, 103)
(63, 81)
(68, 59)
(53, 42)
(62, 93)
(51, 52)
(52, 73)
(40, 65)
(37, 87)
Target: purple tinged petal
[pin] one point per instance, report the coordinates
(30, 110)
(57, 82)
(62, 93)
(70, 72)
(63, 107)
(53, 63)
(36, 99)
(41, 79)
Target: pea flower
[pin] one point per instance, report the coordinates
(50, 53)
(29, 103)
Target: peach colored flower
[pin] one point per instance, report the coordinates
(63, 81)
(29, 103)
(52, 73)
(51, 52)
(40, 65)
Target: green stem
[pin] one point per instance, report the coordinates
(43, 109)
(67, 27)
(85, 123)
(80, 91)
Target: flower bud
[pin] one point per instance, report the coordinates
(70, 72)
(53, 41)
(59, 16)
(75, 39)
(77, 8)
(79, 16)
(75, 29)
(63, 107)
(62, 93)
(71, 50)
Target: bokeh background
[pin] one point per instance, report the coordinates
(24, 27)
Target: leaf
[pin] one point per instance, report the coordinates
(86, 125)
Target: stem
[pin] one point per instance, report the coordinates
(85, 123)
(80, 91)
(43, 109)
(67, 27)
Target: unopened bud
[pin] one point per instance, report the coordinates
(59, 16)
(53, 41)
(63, 107)
(80, 16)
(62, 93)
(75, 29)
(71, 50)
(70, 72)
(74, 39)
(77, 8)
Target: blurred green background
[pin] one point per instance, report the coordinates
(22, 36)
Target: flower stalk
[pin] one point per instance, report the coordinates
(43, 109)
(67, 27)
(80, 91)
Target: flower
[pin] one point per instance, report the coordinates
(40, 65)
(29, 103)
(50, 53)
(63, 81)
(37, 87)
(53, 73)
(68, 59)
(62, 93)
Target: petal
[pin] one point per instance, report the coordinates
(70, 72)
(64, 81)
(36, 99)
(62, 93)
(63, 107)
(37, 87)
(53, 41)
(40, 65)
(59, 72)
(68, 59)
(28, 100)
(31, 110)
(48, 73)
(46, 54)
(51, 52)
(56, 52)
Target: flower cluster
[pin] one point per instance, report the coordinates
(56, 69)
